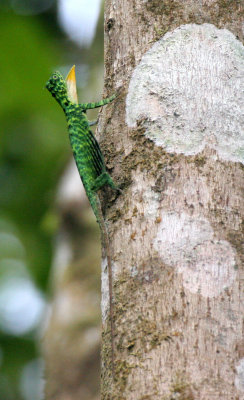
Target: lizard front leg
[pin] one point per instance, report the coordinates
(103, 102)
(92, 123)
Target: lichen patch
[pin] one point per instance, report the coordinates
(104, 289)
(187, 242)
(187, 92)
(239, 378)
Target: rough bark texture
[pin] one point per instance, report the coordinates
(174, 142)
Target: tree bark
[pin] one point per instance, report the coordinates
(173, 140)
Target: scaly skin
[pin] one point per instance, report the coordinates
(90, 164)
(86, 150)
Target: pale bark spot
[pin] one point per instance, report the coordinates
(187, 243)
(212, 269)
(239, 378)
(104, 289)
(152, 199)
(105, 303)
(188, 92)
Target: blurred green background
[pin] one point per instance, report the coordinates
(37, 37)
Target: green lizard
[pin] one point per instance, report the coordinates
(88, 156)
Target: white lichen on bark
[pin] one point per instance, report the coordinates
(104, 289)
(188, 243)
(187, 91)
(239, 378)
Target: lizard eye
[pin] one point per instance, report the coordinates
(55, 76)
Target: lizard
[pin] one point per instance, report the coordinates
(88, 157)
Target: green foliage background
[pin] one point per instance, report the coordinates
(34, 150)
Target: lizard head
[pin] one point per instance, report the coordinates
(57, 86)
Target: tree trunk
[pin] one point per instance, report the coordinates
(174, 138)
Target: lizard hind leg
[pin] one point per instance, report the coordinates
(102, 180)
(92, 123)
